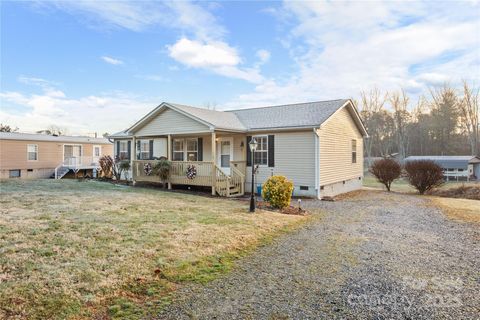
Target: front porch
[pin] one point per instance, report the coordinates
(216, 160)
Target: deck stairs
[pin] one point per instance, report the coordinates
(60, 172)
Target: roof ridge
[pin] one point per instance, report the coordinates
(188, 106)
(286, 105)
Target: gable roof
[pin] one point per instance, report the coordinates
(300, 115)
(45, 137)
(211, 118)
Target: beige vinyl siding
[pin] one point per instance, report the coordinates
(294, 158)
(170, 122)
(335, 142)
(13, 155)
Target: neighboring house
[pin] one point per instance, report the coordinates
(318, 145)
(24, 155)
(455, 167)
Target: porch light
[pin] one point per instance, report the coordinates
(253, 146)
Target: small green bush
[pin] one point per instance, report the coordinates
(277, 190)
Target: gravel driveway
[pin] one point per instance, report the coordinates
(371, 256)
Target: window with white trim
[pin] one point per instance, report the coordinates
(192, 149)
(261, 154)
(178, 150)
(123, 151)
(32, 152)
(354, 151)
(144, 149)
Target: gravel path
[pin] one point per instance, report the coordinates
(372, 256)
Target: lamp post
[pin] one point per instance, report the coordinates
(253, 146)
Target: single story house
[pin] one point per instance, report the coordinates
(317, 145)
(455, 167)
(25, 155)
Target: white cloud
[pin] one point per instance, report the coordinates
(342, 48)
(111, 60)
(203, 55)
(202, 44)
(107, 113)
(216, 56)
(141, 15)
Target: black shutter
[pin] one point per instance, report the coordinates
(150, 149)
(129, 149)
(271, 150)
(138, 150)
(117, 153)
(200, 149)
(249, 153)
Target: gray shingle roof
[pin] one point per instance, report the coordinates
(306, 115)
(44, 137)
(219, 119)
(290, 115)
(120, 134)
(459, 162)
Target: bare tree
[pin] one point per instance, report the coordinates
(469, 116)
(401, 119)
(372, 103)
(54, 130)
(7, 128)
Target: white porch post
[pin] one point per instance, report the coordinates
(133, 157)
(169, 155)
(214, 157)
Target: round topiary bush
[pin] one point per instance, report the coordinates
(277, 190)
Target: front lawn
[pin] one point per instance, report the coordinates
(71, 249)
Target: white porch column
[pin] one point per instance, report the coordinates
(169, 155)
(133, 157)
(214, 157)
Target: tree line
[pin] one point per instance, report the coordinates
(446, 122)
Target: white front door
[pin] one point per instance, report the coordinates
(97, 152)
(224, 154)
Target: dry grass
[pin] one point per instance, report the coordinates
(465, 210)
(73, 249)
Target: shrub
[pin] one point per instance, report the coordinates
(120, 167)
(424, 175)
(162, 169)
(386, 171)
(277, 190)
(106, 163)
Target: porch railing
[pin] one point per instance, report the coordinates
(203, 177)
(207, 174)
(241, 166)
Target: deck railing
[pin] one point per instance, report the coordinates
(206, 174)
(80, 162)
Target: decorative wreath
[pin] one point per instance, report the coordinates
(147, 168)
(191, 172)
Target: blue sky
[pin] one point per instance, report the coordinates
(96, 66)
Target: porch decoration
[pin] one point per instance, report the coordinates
(191, 172)
(147, 168)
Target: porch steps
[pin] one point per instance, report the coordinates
(61, 172)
